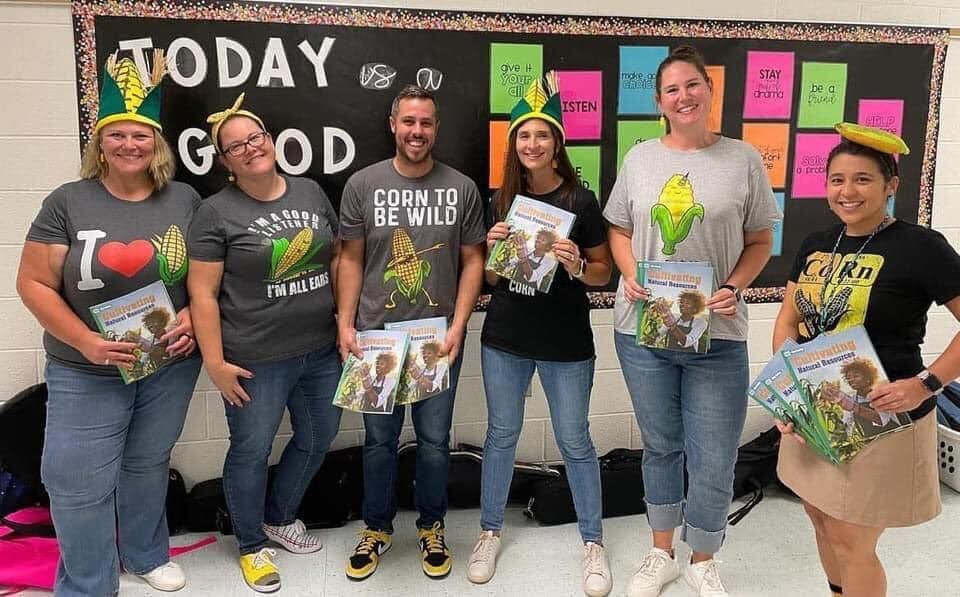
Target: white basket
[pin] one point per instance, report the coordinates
(948, 449)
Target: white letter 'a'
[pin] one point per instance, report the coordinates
(89, 238)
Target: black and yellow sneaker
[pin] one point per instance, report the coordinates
(436, 557)
(366, 555)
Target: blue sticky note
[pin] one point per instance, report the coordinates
(778, 227)
(638, 74)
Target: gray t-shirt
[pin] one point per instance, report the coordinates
(275, 296)
(412, 229)
(727, 179)
(114, 247)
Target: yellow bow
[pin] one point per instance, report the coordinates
(218, 118)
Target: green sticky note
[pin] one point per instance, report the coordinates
(631, 132)
(586, 161)
(823, 91)
(512, 68)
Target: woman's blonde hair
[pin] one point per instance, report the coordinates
(161, 169)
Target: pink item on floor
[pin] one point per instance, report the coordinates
(31, 562)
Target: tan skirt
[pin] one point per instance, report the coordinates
(893, 482)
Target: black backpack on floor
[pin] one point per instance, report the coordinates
(755, 470)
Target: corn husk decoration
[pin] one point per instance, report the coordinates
(125, 96)
(542, 100)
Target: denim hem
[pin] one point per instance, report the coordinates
(598, 539)
(664, 517)
(145, 570)
(429, 525)
(701, 540)
(279, 524)
(245, 551)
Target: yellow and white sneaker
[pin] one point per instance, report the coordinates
(259, 571)
(366, 555)
(436, 557)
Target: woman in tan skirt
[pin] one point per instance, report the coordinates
(890, 273)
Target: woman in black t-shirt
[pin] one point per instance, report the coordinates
(884, 286)
(526, 329)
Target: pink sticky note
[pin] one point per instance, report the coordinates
(581, 93)
(769, 90)
(886, 114)
(810, 163)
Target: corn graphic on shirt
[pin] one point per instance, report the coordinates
(902, 271)
(275, 296)
(691, 206)
(412, 230)
(114, 247)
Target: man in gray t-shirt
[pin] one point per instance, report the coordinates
(413, 247)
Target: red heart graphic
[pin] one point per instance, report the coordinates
(126, 259)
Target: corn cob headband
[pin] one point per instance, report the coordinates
(125, 96)
(879, 140)
(542, 100)
(217, 119)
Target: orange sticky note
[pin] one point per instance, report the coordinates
(772, 140)
(717, 75)
(498, 151)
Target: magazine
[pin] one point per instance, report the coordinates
(140, 317)
(833, 374)
(426, 372)
(675, 316)
(526, 255)
(369, 385)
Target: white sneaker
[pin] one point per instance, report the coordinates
(168, 577)
(483, 560)
(293, 537)
(656, 570)
(704, 578)
(597, 579)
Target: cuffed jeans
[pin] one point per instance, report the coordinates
(567, 386)
(690, 407)
(304, 385)
(106, 458)
(431, 423)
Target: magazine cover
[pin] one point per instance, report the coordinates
(833, 374)
(425, 372)
(775, 390)
(141, 317)
(369, 385)
(675, 316)
(526, 255)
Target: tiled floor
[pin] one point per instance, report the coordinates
(771, 553)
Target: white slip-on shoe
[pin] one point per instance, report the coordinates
(168, 577)
(293, 537)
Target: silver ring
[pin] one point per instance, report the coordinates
(106, 361)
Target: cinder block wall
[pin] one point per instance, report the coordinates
(39, 150)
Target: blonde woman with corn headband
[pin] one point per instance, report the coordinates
(263, 257)
(107, 444)
(879, 281)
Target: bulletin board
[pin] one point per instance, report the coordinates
(323, 77)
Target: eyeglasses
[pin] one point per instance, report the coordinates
(240, 147)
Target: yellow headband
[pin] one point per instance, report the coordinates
(218, 118)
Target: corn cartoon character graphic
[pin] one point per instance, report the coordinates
(675, 211)
(291, 258)
(171, 255)
(407, 270)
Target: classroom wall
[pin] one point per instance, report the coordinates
(39, 150)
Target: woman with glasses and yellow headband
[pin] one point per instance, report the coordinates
(107, 443)
(263, 256)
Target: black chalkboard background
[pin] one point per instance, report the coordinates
(875, 70)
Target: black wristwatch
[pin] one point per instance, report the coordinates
(930, 381)
(733, 289)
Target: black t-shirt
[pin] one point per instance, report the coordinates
(553, 326)
(900, 272)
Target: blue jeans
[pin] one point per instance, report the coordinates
(690, 408)
(105, 465)
(567, 386)
(431, 423)
(304, 385)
